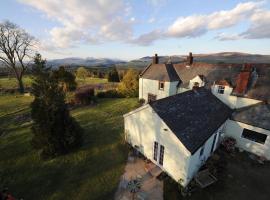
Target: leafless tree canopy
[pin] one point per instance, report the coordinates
(16, 47)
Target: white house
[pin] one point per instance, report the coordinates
(178, 133)
(188, 108)
(251, 129)
(158, 81)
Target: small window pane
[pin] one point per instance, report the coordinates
(221, 89)
(155, 150)
(161, 156)
(254, 136)
(161, 85)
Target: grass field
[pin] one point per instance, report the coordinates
(90, 80)
(9, 83)
(92, 172)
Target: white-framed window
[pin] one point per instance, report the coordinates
(161, 85)
(221, 89)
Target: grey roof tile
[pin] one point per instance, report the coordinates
(193, 116)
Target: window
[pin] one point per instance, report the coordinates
(221, 89)
(155, 150)
(202, 150)
(161, 154)
(214, 142)
(254, 136)
(161, 85)
(151, 98)
(196, 84)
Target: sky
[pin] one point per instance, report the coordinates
(130, 29)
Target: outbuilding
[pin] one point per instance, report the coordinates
(178, 133)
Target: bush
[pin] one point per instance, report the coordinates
(110, 94)
(85, 96)
(229, 144)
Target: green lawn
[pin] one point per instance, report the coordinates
(92, 172)
(9, 83)
(90, 80)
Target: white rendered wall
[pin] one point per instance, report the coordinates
(233, 102)
(194, 80)
(234, 129)
(196, 161)
(143, 127)
(147, 86)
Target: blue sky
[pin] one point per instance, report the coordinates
(129, 29)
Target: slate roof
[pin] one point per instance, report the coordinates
(256, 115)
(193, 116)
(229, 72)
(212, 73)
(161, 72)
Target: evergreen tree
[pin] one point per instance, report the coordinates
(113, 75)
(55, 131)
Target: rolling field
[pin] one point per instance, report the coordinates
(91, 172)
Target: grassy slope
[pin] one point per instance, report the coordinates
(92, 172)
(9, 83)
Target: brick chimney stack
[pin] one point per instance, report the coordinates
(190, 59)
(155, 59)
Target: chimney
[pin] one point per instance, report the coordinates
(155, 59)
(190, 59)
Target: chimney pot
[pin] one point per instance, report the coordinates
(155, 59)
(190, 59)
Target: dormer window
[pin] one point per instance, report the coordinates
(161, 85)
(221, 89)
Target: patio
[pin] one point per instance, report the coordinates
(140, 178)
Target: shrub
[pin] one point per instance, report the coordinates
(229, 144)
(110, 94)
(85, 96)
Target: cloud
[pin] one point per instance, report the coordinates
(260, 26)
(148, 38)
(85, 21)
(197, 25)
(151, 20)
(97, 21)
(157, 2)
(228, 36)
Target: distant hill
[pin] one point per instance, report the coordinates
(213, 58)
(88, 62)
(223, 57)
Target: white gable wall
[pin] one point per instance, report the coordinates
(147, 86)
(194, 80)
(143, 128)
(196, 161)
(233, 102)
(234, 129)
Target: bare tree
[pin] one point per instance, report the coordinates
(16, 48)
